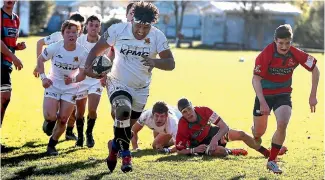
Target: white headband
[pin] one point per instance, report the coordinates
(140, 22)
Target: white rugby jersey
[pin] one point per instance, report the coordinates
(171, 125)
(82, 40)
(64, 62)
(53, 38)
(127, 66)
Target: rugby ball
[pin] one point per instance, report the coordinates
(102, 64)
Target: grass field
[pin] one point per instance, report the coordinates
(210, 78)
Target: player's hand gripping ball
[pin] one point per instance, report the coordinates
(102, 65)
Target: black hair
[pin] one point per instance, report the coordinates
(145, 12)
(77, 17)
(92, 18)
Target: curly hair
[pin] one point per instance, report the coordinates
(146, 12)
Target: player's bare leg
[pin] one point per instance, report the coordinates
(5, 99)
(81, 108)
(69, 135)
(237, 135)
(50, 109)
(121, 107)
(282, 114)
(259, 127)
(65, 111)
(93, 101)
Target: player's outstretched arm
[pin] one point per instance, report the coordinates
(223, 129)
(166, 61)
(135, 129)
(39, 46)
(256, 81)
(97, 50)
(39, 49)
(46, 82)
(40, 64)
(199, 149)
(312, 98)
(6, 51)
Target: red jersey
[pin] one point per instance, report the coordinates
(9, 34)
(276, 69)
(195, 132)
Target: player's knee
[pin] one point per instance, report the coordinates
(92, 113)
(63, 119)
(5, 99)
(258, 132)
(282, 126)
(122, 106)
(50, 115)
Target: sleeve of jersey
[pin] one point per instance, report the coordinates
(111, 34)
(182, 142)
(48, 52)
(83, 59)
(144, 116)
(52, 38)
(214, 118)
(162, 42)
(306, 60)
(262, 62)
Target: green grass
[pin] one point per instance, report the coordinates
(210, 78)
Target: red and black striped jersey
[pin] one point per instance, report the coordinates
(9, 34)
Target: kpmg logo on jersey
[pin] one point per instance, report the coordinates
(134, 50)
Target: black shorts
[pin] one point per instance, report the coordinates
(212, 132)
(5, 79)
(273, 101)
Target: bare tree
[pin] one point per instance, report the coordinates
(253, 20)
(179, 10)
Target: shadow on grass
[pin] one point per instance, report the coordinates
(238, 177)
(189, 158)
(30, 144)
(12, 161)
(263, 178)
(97, 176)
(144, 152)
(60, 169)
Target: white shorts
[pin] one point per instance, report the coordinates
(60, 91)
(89, 86)
(139, 96)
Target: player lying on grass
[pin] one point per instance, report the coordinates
(272, 81)
(163, 120)
(61, 86)
(196, 134)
